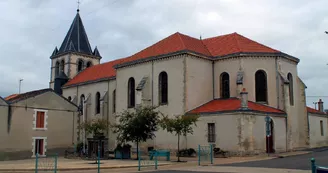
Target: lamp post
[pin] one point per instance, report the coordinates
(315, 105)
(20, 84)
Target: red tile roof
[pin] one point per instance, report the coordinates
(233, 104)
(96, 72)
(314, 111)
(211, 47)
(235, 43)
(18, 97)
(10, 97)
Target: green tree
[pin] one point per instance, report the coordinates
(137, 126)
(180, 125)
(96, 127)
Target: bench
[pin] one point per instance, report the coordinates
(159, 153)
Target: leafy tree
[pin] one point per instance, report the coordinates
(137, 126)
(96, 127)
(180, 125)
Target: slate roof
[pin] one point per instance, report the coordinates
(176, 43)
(76, 39)
(232, 105)
(18, 97)
(314, 111)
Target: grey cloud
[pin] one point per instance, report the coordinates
(32, 29)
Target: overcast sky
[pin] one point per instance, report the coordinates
(31, 29)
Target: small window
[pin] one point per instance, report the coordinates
(89, 64)
(224, 85)
(39, 146)
(261, 87)
(131, 93)
(291, 92)
(114, 101)
(162, 88)
(62, 66)
(39, 120)
(321, 127)
(57, 69)
(98, 103)
(211, 132)
(80, 65)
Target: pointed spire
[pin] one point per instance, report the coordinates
(55, 51)
(76, 38)
(96, 52)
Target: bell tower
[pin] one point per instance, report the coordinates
(75, 53)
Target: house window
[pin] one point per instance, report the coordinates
(261, 86)
(89, 64)
(211, 132)
(163, 88)
(39, 146)
(40, 120)
(131, 93)
(224, 85)
(80, 65)
(57, 69)
(62, 66)
(291, 92)
(82, 103)
(98, 103)
(114, 101)
(321, 127)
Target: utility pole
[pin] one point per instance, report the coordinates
(20, 84)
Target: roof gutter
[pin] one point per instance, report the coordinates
(90, 82)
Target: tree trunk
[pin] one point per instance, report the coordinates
(137, 149)
(178, 147)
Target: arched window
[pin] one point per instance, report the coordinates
(80, 65)
(69, 98)
(62, 66)
(162, 88)
(131, 93)
(57, 69)
(89, 64)
(291, 91)
(114, 101)
(98, 103)
(224, 85)
(261, 88)
(81, 103)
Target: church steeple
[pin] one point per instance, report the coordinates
(76, 39)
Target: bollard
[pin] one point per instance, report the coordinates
(313, 166)
(198, 155)
(98, 160)
(211, 153)
(138, 160)
(56, 157)
(155, 160)
(36, 163)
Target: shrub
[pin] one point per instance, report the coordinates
(187, 152)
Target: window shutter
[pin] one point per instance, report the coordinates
(46, 120)
(38, 118)
(41, 121)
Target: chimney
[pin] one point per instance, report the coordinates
(320, 105)
(244, 99)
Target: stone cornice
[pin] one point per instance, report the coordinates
(76, 53)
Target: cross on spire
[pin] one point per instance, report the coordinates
(78, 5)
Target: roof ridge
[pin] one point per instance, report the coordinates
(179, 34)
(218, 36)
(236, 40)
(256, 42)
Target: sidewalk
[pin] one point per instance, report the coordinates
(78, 164)
(221, 169)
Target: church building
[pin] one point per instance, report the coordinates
(249, 96)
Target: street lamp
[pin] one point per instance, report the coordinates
(20, 84)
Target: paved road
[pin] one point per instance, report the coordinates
(293, 162)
